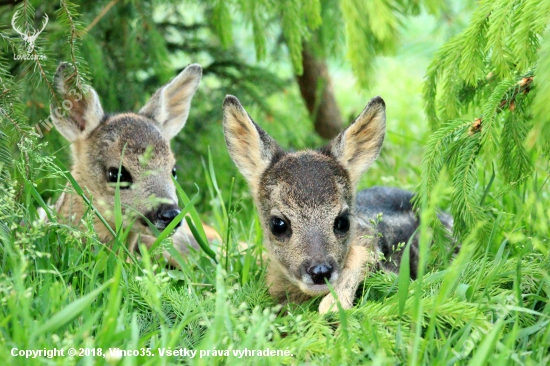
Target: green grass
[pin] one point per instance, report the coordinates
(484, 308)
(488, 305)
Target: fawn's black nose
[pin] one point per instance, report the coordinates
(319, 273)
(167, 213)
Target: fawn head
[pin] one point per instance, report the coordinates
(131, 150)
(305, 199)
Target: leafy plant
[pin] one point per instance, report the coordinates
(483, 93)
(487, 304)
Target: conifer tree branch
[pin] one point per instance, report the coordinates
(14, 123)
(44, 77)
(72, 38)
(522, 86)
(101, 14)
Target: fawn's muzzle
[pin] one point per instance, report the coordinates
(319, 273)
(164, 215)
(167, 214)
(318, 270)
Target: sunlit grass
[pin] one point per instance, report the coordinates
(57, 292)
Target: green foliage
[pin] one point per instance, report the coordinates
(66, 16)
(364, 29)
(126, 61)
(540, 134)
(10, 109)
(490, 71)
(295, 18)
(372, 29)
(59, 293)
(60, 287)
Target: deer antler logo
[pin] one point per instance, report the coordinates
(31, 34)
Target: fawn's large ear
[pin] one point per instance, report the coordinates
(250, 147)
(358, 146)
(170, 105)
(76, 112)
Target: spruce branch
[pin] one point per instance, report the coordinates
(67, 16)
(101, 14)
(14, 123)
(489, 66)
(540, 133)
(72, 37)
(44, 77)
(522, 86)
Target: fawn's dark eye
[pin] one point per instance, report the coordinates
(174, 173)
(341, 224)
(125, 177)
(278, 226)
